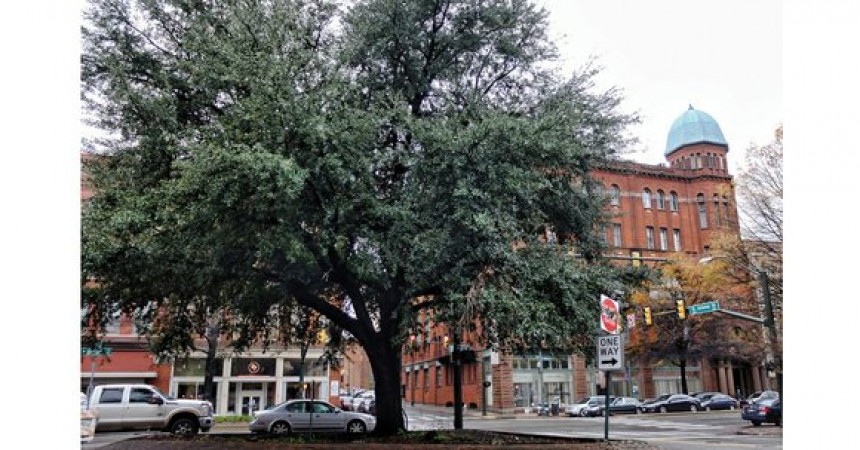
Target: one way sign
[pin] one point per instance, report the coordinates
(610, 353)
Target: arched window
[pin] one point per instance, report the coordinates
(615, 195)
(703, 212)
(673, 201)
(646, 198)
(661, 199)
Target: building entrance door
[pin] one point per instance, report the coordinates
(251, 402)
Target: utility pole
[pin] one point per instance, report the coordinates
(770, 323)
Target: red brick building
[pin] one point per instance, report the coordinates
(657, 210)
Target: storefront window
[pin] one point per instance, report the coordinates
(196, 367)
(313, 368)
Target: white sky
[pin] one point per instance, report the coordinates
(723, 57)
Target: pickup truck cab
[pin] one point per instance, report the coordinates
(144, 407)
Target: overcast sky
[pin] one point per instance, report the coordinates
(723, 57)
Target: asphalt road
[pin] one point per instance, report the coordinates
(723, 430)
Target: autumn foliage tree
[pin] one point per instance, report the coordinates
(679, 341)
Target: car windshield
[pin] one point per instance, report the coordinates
(167, 397)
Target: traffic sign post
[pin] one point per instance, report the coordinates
(610, 353)
(703, 308)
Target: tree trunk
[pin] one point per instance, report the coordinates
(385, 363)
(213, 331)
(458, 384)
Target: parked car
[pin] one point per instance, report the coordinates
(346, 400)
(624, 405)
(578, 408)
(712, 402)
(644, 406)
(760, 395)
(364, 404)
(371, 407)
(356, 401)
(671, 402)
(126, 407)
(303, 415)
(700, 395)
(763, 411)
(595, 408)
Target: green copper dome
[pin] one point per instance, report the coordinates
(694, 127)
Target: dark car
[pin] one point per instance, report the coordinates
(643, 407)
(713, 402)
(624, 405)
(673, 402)
(763, 411)
(760, 395)
(596, 407)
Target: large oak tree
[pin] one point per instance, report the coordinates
(266, 158)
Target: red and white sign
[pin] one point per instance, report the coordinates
(609, 315)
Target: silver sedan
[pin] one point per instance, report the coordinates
(303, 415)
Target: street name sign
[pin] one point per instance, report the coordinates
(96, 351)
(610, 353)
(702, 308)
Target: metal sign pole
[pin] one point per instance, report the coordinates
(606, 410)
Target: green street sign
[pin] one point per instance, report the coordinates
(96, 351)
(703, 308)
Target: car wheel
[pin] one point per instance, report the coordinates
(280, 428)
(756, 423)
(184, 426)
(777, 421)
(583, 413)
(356, 427)
(663, 409)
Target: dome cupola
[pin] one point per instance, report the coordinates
(694, 127)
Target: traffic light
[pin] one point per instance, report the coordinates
(647, 315)
(682, 309)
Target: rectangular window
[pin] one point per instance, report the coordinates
(664, 239)
(616, 234)
(438, 375)
(703, 215)
(426, 378)
(677, 235)
(649, 237)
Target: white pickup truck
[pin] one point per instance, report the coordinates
(144, 407)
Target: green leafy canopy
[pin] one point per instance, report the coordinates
(348, 160)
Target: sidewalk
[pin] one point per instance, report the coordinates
(470, 413)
